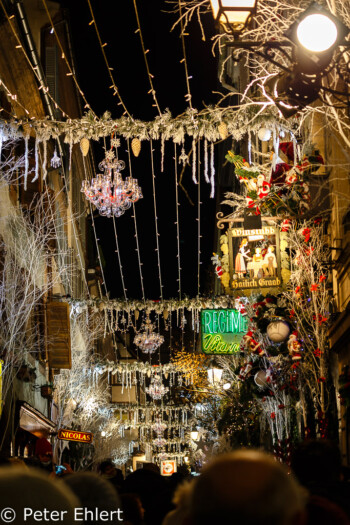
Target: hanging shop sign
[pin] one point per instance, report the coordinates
(75, 435)
(168, 467)
(255, 259)
(222, 331)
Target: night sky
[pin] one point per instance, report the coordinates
(117, 24)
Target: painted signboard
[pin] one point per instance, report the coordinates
(75, 435)
(222, 331)
(168, 467)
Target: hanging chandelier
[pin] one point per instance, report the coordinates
(159, 427)
(108, 191)
(148, 341)
(159, 442)
(156, 389)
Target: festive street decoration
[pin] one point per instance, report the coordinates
(136, 146)
(278, 331)
(156, 389)
(109, 193)
(148, 341)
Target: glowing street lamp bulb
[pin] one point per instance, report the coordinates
(103, 433)
(317, 33)
(226, 386)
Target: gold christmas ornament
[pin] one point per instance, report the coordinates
(166, 314)
(223, 131)
(84, 146)
(137, 314)
(136, 146)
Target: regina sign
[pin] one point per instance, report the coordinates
(75, 435)
(222, 331)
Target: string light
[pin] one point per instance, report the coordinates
(188, 96)
(119, 259)
(177, 224)
(136, 234)
(33, 68)
(156, 223)
(145, 51)
(110, 69)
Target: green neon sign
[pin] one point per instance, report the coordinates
(222, 331)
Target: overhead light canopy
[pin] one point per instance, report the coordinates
(234, 14)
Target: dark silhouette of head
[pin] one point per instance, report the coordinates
(316, 462)
(246, 487)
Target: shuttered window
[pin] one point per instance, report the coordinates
(58, 335)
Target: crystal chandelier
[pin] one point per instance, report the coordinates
(148, 341)
(159, 442)
(159, 427)
(109, 192)
(156, 389)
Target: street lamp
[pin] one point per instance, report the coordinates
(194, 435)
(214, 376)
(317, 30)
(312, 39)
(235, 15)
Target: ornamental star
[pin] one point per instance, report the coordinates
(115, 143)
(110, 155)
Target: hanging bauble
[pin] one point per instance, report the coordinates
(223, 131)
(165, 314)
(84, 146)
(136, 146)
(278, 331)
(137, 314)
(264, 134)
(260, 378)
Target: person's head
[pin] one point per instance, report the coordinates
(94, 492)
(316, 461)
(246, 487)
(133, 510)
(43, 451)
(107, 468)
(28, 489)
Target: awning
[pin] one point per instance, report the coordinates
(33, 421)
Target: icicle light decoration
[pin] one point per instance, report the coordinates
(26, 161)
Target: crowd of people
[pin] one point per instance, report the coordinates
(245, 487)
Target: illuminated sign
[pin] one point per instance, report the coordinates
(264, 230)
(222, 331)
(75, 435)
(168, 467)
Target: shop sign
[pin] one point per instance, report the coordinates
(222, 331)
(75, 435)
(168, 467)
(254, 258)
